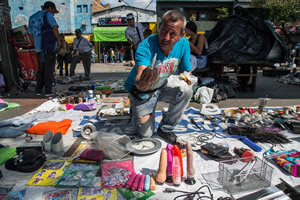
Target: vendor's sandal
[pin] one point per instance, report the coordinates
(169, 137)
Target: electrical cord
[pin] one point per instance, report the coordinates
(203, 138)
(190, 195)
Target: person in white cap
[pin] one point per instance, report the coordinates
(134, 33)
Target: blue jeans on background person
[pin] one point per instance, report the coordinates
(198, 62)
(105, 59)
(178, 101)
(121, 57)
(62, 59)
(112, 59)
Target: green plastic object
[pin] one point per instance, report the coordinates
(6, 154)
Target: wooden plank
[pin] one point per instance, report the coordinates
(229, 74)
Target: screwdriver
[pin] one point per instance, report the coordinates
(193, 121)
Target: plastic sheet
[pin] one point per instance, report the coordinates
(113, 145)
(243, 37)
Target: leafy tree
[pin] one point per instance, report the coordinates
(281, 12)
(258, 3)
(222, 13)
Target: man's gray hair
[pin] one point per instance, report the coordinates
(174, 16)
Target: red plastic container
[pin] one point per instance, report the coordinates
(28, 64)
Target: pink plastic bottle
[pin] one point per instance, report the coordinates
(135, 183)
(177, 172)
(141, 183)
(177, 152)
(130, 181)
(169, 164)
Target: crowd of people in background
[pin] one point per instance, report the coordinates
(58, 52)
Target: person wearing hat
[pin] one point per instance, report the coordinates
(43, 32)
(158, 57)
(198, 46)
(82, 50)
(134, 33)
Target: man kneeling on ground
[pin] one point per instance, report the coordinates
(147, 85)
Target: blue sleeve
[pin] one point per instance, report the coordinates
(143, 54)
(185, 64)
(51, 19)
(29, 29)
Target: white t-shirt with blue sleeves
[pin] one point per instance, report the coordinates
(35, 24)
(178, 60)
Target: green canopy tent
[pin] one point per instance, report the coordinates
(110, 34)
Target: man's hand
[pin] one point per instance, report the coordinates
(58, 44)
(147, 77)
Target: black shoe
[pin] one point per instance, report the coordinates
(169, 137)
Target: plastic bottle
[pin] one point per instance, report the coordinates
(169, 164)
(162, 174)
(147, 182)
(176, 152)
(176, 172)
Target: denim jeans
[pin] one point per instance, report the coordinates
(198, 62)
(105, 59)
(121, 57)
(62, 59)
(178, 101)
(15, 126)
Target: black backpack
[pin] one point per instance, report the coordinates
(27, 161)
(47, 36)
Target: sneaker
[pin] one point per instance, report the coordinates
(48, 94)
(169, 137)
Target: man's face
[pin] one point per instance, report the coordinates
(169, 34)
(188, 32)
(52, 10)
(78, 34)
(130, 22)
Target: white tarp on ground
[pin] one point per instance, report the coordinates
(150, 163)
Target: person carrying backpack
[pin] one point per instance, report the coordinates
(43, 31)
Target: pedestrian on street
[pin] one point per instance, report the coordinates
(82, 49)
(63, 56)
(112, 55)
(134, 32)
(104, 53)
(93, 56)
(43, 31)
(122, 52)
(167, 52)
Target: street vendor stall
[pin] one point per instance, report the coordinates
(63, 175)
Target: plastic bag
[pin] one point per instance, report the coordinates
(174, 81)
(112, 144)
(204, 95)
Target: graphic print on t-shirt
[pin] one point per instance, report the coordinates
(165, 69)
